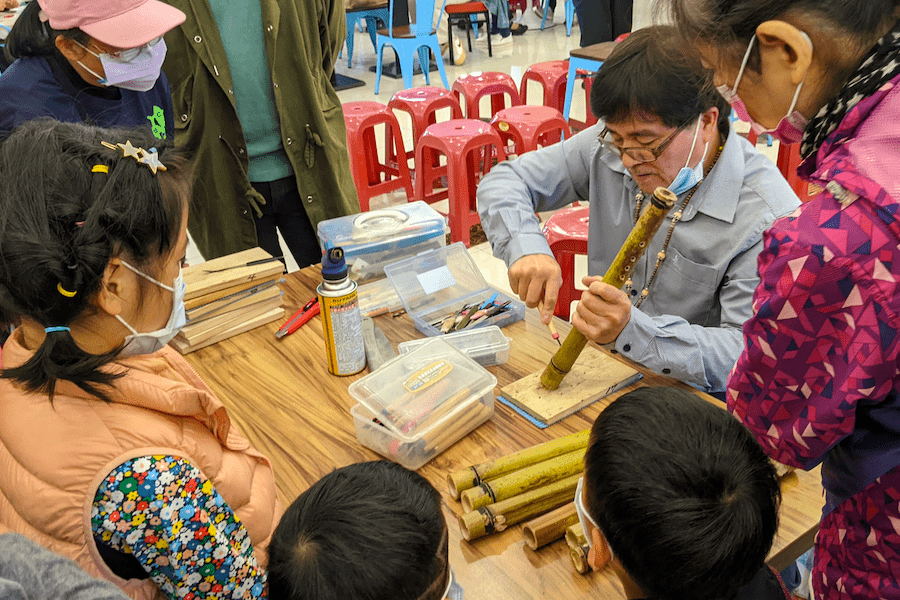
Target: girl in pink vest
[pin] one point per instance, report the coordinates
(112, 450)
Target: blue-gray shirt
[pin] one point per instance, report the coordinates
(689, 327)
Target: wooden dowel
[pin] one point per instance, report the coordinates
(548, 528)
(492, 469)
(648, 224)
(497, 517)
(519, 482)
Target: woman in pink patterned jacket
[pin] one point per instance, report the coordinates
(819, 379)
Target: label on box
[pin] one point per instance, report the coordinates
(428, 376)
(436, 280)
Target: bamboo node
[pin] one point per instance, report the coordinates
(490, 522)
(500, 523)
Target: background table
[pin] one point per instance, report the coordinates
(281, 395)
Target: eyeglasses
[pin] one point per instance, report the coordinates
(129, 54)
(639, 154)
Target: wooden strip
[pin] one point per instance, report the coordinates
(196, 334)
(273, 315)
(199, 301)
(200, 283)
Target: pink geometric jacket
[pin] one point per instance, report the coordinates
(818, 381)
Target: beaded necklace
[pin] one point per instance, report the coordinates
(661, 255)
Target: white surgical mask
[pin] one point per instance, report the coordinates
(454, 590)
(585, 519)
(790, 128)
(149, 342)
(688, 177)
(135, 69)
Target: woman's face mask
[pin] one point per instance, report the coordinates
(790, 129)
(135, 69)
(145, 343)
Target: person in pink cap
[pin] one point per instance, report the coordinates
(89, 61)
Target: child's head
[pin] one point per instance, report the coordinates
(685, 497)
(369, 531)
(74, 215)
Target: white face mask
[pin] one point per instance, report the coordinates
(688, 177)
(147, 343)
(135, 69)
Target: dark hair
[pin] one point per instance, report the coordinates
(369, 531)
(686, 498)
(30, 36)
(652, 72)
(729, 24)
(61, 223)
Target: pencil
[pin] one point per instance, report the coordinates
(553, 332)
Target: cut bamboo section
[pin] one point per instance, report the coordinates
(497, 517)
(578, 548)
(548, 528)
(661, 202)
(492, 469)
(523, 480)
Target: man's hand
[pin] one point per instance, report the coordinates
(8, 4)
(603, 311)
(535, 277)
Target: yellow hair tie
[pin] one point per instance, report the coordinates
(100, 169)
(64, 291)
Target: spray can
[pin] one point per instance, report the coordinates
(341, 320)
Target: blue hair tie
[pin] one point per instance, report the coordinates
(55, 329)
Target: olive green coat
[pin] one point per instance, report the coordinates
(302, 40)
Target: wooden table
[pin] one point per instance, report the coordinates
(281, 395)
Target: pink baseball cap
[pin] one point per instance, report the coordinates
(119, 23)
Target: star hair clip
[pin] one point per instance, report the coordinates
(145, 157)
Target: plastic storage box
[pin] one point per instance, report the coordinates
(373, 239)
(419, 404)
(485, 345)
(437, 283)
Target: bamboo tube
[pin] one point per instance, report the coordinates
(579, 556)
(463, 480)
(578, 548)
(438, 441)
(648, 224)
(519, 482)
(548, 528)
(497, 517)
(575, 538)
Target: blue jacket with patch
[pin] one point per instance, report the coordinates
(44, 87)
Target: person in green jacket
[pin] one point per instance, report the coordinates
(253, 101)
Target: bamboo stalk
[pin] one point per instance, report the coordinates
(578, 548)
(519, 482)
(497, 517)
(648, 224)
(492, 469)
(548, 528)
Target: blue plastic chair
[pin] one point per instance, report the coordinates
(407, 41)
(371, 16)
(570, 15)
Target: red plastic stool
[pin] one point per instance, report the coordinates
(521, 4)
(361, 119)
(552, 77)
(529, 126)
(788, 161)
(470, 147)
(472, 87)
(567, 233)
(422, 104)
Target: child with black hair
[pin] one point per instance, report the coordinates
(369, 531)
(113, 452)
(680, 499)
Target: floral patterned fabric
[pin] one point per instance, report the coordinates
(162, 510)
(818, 380)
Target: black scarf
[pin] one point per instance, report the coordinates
(879, 66)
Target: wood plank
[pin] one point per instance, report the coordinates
(200, 282)
(207, 299)
(273, 315)
(200, 332)
(595, 375)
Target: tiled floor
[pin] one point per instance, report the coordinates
(532, 47)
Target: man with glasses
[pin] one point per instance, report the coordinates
(679, 500)
(681, 312)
